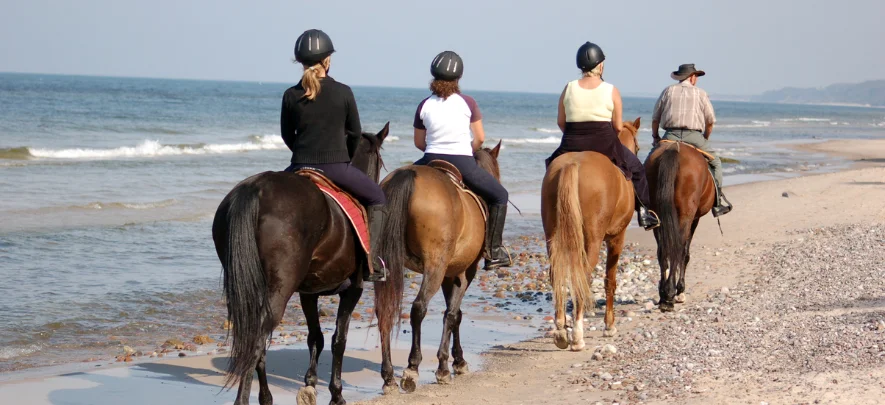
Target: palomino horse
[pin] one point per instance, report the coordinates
(682, 191)
(439, 232)
(276, 234)
(578, 216)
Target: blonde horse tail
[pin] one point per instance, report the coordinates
(569, 266)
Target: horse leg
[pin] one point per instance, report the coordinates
(665, 287)
(245, 388)
(433, 276)
(308, 394)
(560, 334)
(680, 285)
(456, 287)
(615, 245)
(459, 364)
(277, 306)
(349, 299)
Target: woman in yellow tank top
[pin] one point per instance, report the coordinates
(590, 113)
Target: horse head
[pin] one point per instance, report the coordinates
(487, 159)
(368, 153)
(629, 135)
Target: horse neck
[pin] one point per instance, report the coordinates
(487, 163)
(627, 139)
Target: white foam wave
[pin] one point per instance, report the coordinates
(151, 148)
(98, 205)
(13, 352)
(547, 130)
(752, 124)
(804, 119)
(551, 139)
(391, 138)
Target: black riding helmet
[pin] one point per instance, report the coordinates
(589, 56)
(312, 47)
(447, 66)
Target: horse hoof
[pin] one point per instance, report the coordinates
(578, 347)
(410, 381)
(307, 396)
(560, 339)
(666, 307)
(390, 388)
(443, 377)
(461, 369)
(610, 332)
(680, 299)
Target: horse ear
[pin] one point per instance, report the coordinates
(636, 123)
(496, 150)
(384, 132)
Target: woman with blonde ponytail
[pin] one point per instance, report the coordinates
(320, 124)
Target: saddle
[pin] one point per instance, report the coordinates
(353, 210)
(701, 151)
(454, 175)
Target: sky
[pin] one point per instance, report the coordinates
(746, 47)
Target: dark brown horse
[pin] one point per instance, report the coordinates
(585, 200)
(436, 230)
(277, 234)
(682, 191)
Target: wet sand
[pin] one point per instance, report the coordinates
(534, 371)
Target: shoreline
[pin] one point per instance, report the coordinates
(714, 251)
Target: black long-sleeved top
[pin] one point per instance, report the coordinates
(322, 130)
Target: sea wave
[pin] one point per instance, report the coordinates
(551, 139)
(547, 130)
(98, 205)
(147, 148)
(752, 124)
(13, 352)
(804, 119)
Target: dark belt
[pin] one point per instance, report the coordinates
(682, 129)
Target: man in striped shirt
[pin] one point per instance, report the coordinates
(685, 113)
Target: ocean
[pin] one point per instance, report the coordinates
(109, 184)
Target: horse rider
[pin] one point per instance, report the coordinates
(685, 113)
(321, 126)
(443, 123)
(590, 113)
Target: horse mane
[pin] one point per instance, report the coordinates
(373, 150)
(487, 162)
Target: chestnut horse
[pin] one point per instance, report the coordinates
(682, 191)
(277, 234)
(585, 200)
(437, 230)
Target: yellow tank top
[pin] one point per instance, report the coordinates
(583, 105)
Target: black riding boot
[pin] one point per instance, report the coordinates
(722, 206)
(496, 254)
(377, 218)
(647, 218)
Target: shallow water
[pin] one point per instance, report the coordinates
(109, 185)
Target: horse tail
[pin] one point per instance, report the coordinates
(245, 286)
(671, 233)
(389, 294)
(569, 264)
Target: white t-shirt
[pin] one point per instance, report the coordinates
(447, 122)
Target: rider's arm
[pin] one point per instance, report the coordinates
(709, 115)
(560, 118)
(656, 117)
(421, 139)
(352, 124)
(287, 123)
(618, 111)
(479, 135)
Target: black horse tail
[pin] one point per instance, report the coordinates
(389, 294)
(245, 285)
(672, 237)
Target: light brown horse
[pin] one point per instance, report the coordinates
(682, 191)
(437, 230)
(585, 200)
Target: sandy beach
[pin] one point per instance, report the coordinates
(785, 307)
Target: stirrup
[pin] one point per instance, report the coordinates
(657, 220)
(491, 264)
(379, 275)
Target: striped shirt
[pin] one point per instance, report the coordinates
(684, 106)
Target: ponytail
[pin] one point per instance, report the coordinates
(311, 82)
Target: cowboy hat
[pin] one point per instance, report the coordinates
(685, 71)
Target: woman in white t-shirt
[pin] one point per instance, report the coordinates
(443, 125)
